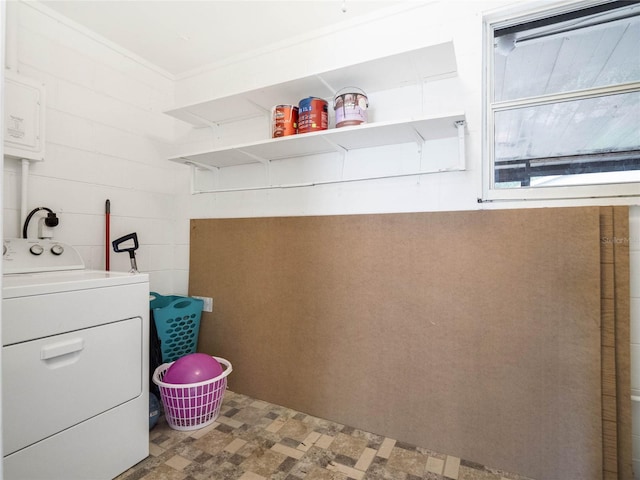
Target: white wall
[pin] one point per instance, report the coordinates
(415, 28)
(106, 138)
(2, 43)
(419, 26)
(444, 191)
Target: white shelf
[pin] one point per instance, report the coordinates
(386, 73)
(407, 68)
(325, 141)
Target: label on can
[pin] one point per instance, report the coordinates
(284, 120)
(313, 115)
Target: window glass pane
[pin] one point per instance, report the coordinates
(573, 55)
(568, 138)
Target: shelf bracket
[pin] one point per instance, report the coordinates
(215, 127)
(199, 165)
(326, 84)
(194, 166)
(419, 139)
(338, 148)
(254, 157)
(202, 121)
(258, 106)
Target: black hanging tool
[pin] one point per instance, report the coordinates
(117, 247)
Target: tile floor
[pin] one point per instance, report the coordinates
(255, 440)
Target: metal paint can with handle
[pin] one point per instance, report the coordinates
(313, 115)
(350, 105)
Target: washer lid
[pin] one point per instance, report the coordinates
(40, 283)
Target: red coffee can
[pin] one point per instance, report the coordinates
(284, 120)
(313, 115)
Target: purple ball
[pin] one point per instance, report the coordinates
(193, 368)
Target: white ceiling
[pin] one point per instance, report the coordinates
(182, 35)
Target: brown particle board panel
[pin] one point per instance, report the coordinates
(615, 316)
(475, 334)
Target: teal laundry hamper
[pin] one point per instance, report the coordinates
(177, 321)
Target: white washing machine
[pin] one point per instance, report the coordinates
(75, 364)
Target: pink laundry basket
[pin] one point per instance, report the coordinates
(191, 406)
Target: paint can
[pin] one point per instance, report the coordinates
(284, 120)
(350, 105)
(313, 115)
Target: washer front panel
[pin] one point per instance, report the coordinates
(76, 375)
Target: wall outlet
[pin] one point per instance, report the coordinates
(208, 303)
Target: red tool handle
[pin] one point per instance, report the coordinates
(107, 242)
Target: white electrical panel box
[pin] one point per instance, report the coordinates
(23, 118)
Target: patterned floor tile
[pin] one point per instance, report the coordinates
(263, 462)
(295, 429)
(408, 460)
(318, 473)
(348, 446)
(255, 440)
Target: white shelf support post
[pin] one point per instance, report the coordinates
(462, 163)
(267, 172)
(192, 178)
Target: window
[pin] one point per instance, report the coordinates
(563, 102)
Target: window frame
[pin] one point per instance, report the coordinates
(524, 14)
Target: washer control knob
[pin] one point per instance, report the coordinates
(57, 249)
(36, 249)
